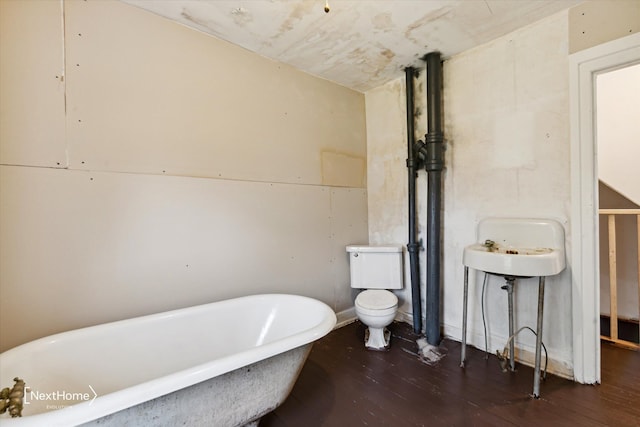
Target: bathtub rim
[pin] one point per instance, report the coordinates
(121, 399)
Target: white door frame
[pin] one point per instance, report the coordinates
(584, 66)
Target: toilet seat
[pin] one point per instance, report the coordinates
(376, 302)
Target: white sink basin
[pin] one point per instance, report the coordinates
(514, 261)
(518, 247)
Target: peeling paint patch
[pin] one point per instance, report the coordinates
(241, 16)
(342, 169)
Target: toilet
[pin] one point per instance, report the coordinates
(376, 269)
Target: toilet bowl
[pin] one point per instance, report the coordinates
(376, 309)
(376, 269)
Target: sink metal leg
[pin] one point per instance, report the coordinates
(463, 347)
(512, 322)
(536, 372)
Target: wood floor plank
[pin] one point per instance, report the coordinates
(343, 384)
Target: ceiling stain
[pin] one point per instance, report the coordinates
(431, 17)
(382, 61)
(382, 21)
(357, 53)
(361, 44)
(298, 12)
(387, 54)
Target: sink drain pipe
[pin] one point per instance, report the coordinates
(433, 154)
(413, 164)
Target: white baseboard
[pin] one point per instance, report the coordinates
(404, 317)
(523, 354)
(345, 317)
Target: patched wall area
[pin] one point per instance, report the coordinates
(595, 22)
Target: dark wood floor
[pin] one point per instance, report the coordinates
(342, 384)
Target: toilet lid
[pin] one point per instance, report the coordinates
(376, 299)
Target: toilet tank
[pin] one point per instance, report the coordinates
(376, 267)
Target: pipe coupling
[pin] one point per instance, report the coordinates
(434, 137)
(414, 247)
(421, 149)
(434, 161)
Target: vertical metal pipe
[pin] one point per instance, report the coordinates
(433, 259)
(536, 370)
(512, 322)
(463, 344)
(434, 163)
(434, 93)
(413, 247)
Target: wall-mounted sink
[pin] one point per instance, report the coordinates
(517, 247)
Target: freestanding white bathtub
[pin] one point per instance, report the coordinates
(221, 364)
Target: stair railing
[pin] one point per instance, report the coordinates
(613, 278)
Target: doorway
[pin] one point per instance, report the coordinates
(618, 130)
(585, 271)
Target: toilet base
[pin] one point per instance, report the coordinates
(377, 339)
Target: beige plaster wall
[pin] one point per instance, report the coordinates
(147, 166)
(387, 179)
(507, 123)
(506, 115)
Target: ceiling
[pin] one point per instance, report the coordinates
(360, 44)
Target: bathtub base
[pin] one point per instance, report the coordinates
(237, 398)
